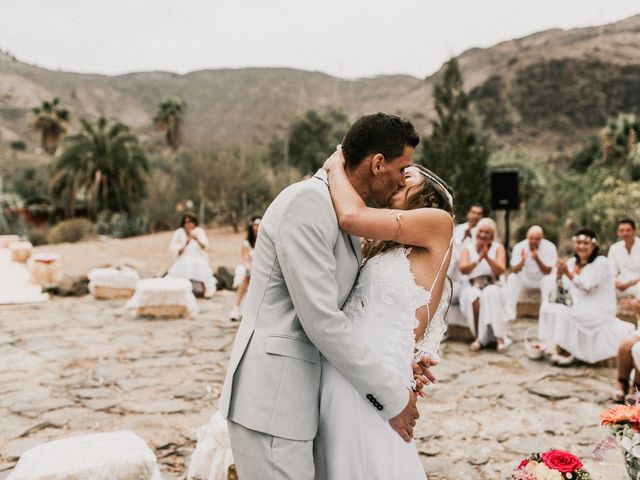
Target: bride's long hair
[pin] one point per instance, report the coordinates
(433, 192)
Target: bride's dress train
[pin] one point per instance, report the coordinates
(353, 441)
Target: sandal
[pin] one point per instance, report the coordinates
(502, 347)
(628, 399)
(475, 346)
(620, 395)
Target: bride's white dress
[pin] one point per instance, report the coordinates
(353, 441)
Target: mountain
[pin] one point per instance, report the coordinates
(546, 91)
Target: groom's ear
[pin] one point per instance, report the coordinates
(377, 164)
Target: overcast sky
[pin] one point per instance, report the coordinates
(346, 38)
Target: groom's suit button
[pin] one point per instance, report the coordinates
(379, 407)
(370, 397)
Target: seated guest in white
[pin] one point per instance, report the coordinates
(629, 356)
(531, 263)
(588, 330)
(482, 298)
(628, 360)
(463, 234)
(188, 248)
(243, 271)
(624, 257)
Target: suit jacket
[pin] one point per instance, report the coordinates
(303, 269)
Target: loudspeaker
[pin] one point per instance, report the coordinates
(505, 194)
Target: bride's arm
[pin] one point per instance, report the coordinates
(403, 226)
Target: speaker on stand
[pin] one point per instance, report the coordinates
(505, 195)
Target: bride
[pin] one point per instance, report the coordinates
(397, 306)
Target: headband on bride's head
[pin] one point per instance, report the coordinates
(436, 179)
(583, 237)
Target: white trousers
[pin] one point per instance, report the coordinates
(492, 318)
(260, 456)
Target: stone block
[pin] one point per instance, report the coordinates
(528, 303)
(120, 455)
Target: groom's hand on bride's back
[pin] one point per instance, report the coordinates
(404, 422)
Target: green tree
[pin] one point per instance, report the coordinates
(457, 149)
(51, 120)
(102, 164)
(313, 137)
(169, 120)
(615, 148)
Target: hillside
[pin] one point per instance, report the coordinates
(545, 91)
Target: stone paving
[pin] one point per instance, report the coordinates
(78, 365)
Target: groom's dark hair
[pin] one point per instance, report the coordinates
(378, 133)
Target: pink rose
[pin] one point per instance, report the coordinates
(564, 462)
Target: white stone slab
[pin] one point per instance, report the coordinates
(120, 455)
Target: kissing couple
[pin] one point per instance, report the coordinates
(337, 341)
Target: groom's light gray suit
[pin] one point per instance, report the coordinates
(302, 272)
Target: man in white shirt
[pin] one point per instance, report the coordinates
(531, 263)
(462, 235)
(624, 257)
(466, 231)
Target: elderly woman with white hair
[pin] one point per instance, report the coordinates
(482, 299)
(583, 325)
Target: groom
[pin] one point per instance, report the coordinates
(303, 270)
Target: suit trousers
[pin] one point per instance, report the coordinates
(260, 456)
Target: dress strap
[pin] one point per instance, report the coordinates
(435, 279)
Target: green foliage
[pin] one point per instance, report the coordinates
(169, 120)
(30, 182)
(457, 149)
(120, 224)
(602, 183)
(104, 165)
(615, 147)
(18, 145)
(72, 230)
(50, 120)
(312, 138)
(37, 236)
(617, 199)
(225, 186)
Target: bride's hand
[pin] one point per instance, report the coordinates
(335, 160)
(422, 373)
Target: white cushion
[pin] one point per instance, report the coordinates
(113, 278)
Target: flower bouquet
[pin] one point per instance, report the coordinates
(550, 465)
(624, 423)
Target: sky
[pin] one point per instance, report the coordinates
(345, 38)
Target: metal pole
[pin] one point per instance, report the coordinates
(506, 233)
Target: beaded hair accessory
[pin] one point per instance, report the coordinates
(583, 237)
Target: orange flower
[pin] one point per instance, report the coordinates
(620, 413)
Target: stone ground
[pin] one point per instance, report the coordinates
(77, 365)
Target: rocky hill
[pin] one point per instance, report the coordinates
(546, 91)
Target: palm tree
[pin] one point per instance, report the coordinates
(103, 164)
(50, 120)
(169, 120)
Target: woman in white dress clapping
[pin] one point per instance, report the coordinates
(482, 299)
(587, 329)
(188, 248)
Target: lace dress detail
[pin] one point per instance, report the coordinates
(353, 441)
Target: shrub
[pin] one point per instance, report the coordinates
(72, 230)
(18, 145)
(37, 237)
(120, 225)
